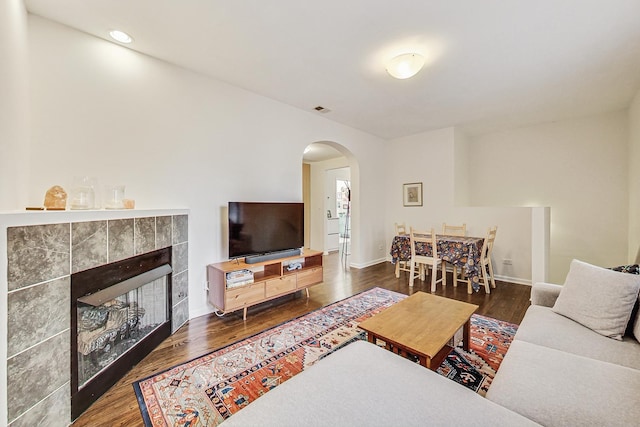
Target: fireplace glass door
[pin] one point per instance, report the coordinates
(108, 330)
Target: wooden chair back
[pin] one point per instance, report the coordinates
(422, 261)
(426, 237)
(487, 246)
(454, 230)
(488, 278)
(401, 229)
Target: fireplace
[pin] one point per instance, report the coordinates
(119, 313)
(42, 251)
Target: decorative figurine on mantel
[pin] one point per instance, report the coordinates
(56, 198)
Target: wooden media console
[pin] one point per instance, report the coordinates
(271, 279)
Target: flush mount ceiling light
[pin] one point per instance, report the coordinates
(405, 65)
(120, 36)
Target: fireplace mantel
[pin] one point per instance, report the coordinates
(39, 250)
(16, 218)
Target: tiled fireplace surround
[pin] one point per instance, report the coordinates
(40, 261)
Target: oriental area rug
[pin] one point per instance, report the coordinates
(205, 391)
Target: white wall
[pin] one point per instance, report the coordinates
(432, 158)
(14, 106)
(428, 158)
(14, 139)
(461, 168)
(577, 167)
(175, 139)
(634, 180)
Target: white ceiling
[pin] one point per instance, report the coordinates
(490, 63)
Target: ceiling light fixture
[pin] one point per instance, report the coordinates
(120, 36)
(405, 65)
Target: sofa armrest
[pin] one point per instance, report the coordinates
(545, 294)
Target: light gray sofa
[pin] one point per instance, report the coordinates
(560, 373)
(365, 385)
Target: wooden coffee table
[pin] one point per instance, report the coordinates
(421, 325)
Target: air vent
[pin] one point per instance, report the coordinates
(321, 109)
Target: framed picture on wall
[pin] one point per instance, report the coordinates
(412, 194)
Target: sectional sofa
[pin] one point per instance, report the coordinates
(557, 372)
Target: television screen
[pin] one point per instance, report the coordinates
(264, 227)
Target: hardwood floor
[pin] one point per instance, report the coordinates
(118, 407)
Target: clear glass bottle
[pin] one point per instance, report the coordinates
(83, 194)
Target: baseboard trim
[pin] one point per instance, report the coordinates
(515, 280)
(367, 264)
(201, 312)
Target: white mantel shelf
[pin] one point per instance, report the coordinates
(18, 218)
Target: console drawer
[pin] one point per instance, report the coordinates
(309, 277)
(280, 286)
(244, 295)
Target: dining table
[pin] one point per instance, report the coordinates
(460, 251)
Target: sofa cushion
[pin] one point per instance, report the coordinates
(542, 326)
(598, 298)
(364, 385)
(555, 388)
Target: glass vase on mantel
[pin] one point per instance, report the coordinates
(114, 197)
(83, 193)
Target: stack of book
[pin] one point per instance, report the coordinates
(239, 278)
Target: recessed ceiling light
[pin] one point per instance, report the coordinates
(120, 36)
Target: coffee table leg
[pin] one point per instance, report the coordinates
(425, 361)
(371, 338)
(466, 334)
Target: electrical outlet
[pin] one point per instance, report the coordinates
(507, 261)
(380, 247)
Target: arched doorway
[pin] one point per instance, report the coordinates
(330, 182)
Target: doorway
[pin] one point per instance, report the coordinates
(328, 187)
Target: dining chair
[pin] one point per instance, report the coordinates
(401, 230)
(454, 230)
(485, 262)
(422, 262)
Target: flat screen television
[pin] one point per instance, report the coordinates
(257, 228)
